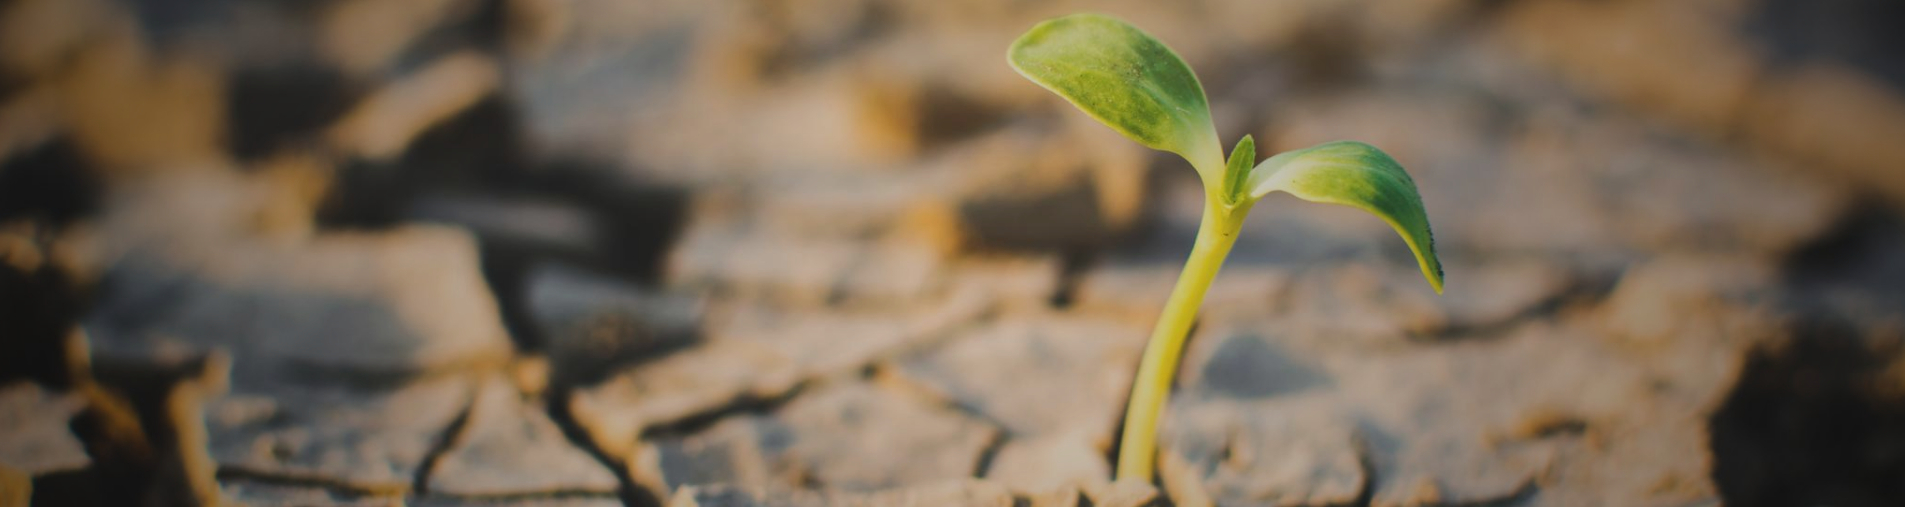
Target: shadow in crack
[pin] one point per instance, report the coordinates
(1814, 423)
(1249, 367)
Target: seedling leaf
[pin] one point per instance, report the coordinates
(1125, 78)
(1359, 175)
(1237, 170)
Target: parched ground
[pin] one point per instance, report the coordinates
(760, 253)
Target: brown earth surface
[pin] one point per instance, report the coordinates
(836, 253)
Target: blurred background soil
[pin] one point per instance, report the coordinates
(606, 252)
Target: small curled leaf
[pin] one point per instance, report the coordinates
(1237, 169)
(1358, 175)
(1126, 79)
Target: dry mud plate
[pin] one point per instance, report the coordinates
(598, 253)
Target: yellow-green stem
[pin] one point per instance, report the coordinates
(1137, 450)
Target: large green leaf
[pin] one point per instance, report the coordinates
(1124, 78)
(1359, 175)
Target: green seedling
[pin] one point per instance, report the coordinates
(1137, 86)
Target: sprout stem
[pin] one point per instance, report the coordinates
(1152, 388)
